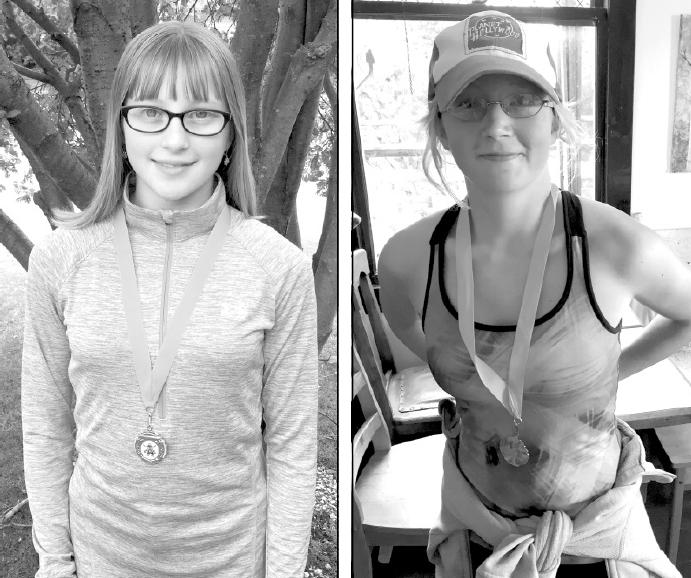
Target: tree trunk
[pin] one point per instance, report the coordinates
(103, 29)
(143, 14)
(306, 71)
(330, 210)
(49, 196)
(291, 35)
(251, 44)
(324, 260)
(14, 240)
(39, 134)
(325, 275)
(280, 203)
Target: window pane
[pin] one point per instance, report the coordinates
(390, 72)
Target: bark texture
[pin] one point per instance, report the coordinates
(14, 240)
(325, 259)
(143, 14)
(103, 29)
(325, 275)
(39, 134)
(306, 70)
(251, 45)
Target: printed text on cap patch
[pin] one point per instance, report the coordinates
(494, 32)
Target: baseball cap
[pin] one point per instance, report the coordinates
(488, 42)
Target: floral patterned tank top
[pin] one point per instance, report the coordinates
(568, 426)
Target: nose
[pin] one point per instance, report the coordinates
(496, 123)
(175, 136)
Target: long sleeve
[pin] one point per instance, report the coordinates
(290, 413)
(47, 418)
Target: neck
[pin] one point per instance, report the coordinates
(507, 218)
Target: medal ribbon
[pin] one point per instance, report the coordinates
(509, 395)
(150, 380)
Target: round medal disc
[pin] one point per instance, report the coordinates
(514, 451)
(151, 447)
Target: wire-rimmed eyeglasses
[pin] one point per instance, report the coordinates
(522, 105)
(152, 119)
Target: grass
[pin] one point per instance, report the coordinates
(17, 556)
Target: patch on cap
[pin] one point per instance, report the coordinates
(496, 32)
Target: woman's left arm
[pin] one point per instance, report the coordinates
(658, 279)
(289, 399)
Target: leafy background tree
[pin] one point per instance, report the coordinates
(57, 67)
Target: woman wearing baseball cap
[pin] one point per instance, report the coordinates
(515, 298)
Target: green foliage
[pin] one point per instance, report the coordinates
(321, 145)
(219, 15)
(11, 162)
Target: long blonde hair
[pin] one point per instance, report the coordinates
(159, 54)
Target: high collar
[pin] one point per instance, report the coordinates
(186, 224)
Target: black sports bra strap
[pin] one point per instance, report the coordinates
(439, 235)
(574, 227)
(574, 214)
(444, 226)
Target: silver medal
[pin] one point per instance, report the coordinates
(150, 446)
(514, 451)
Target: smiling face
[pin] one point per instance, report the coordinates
(175, 169)
(498, 153)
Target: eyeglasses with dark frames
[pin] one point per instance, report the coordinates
(153, 119)
(522, 105)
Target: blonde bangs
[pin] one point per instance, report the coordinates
(179, 57)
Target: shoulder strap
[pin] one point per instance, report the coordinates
(444, 226)
(574, 214)
(439, 235)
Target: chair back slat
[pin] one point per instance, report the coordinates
(374, 429)
(361, 280)
(360, 265)
(366, 351)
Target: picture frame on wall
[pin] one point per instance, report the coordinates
(681, 142)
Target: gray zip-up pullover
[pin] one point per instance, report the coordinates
(226, 500)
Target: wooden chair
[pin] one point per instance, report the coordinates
(676, 441)
(412, 394)
(398, 492)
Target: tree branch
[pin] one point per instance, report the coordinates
(33, 74)
(330, 92)
(307, 68)
(45, 22)
(103, 28)
(69, 91)
(42, 137)
(191, 9)
(291, 35)
(34, 51)
(257, 20)
(14, 240)
(49, 195)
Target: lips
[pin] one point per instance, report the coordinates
(499, 157)
(172, 164)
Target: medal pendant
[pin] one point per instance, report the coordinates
(514, 451)
(150, 446)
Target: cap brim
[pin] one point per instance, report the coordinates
(455, 80)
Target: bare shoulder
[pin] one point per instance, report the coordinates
(618, 239)
(407, 251)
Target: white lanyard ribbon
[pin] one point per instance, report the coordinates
(511, 395)
(150, 380)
